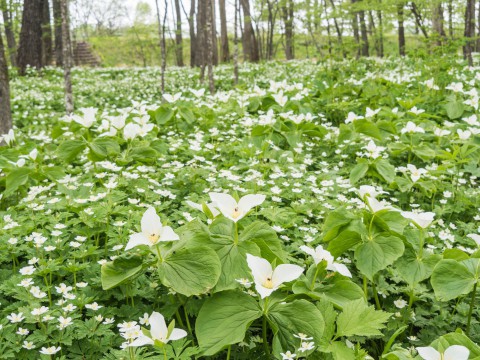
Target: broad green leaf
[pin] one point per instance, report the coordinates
(391, 221)
(376, 254)
(368, 128)
(414, 269)
(451, 278)
(358, 172)
(454, 109)
(163, 115)
(69, 149)
(334, 221)
(15, 179)
(191, 271)
(341, 292)
(266, 239)
(359, 319)
(287, 319)
(223, 320)
(121, 270)
(386, 170)
(457, 338)
(340, 351)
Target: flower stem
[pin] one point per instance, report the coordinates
(365, 289)
(236, 234)
(472, 302)
(264, 333)
(375, 295)
(188, 324)
(314, 278)
(164, 353)
(158, 253)
(229, 351)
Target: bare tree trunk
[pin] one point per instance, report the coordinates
(401, 29)
(225, 52)
(10, 35)
(30, 46)
(329, 36)
(287, 10)
(201, 38)
(469, 31)
(67, 57)
(363, 33)
(47, 45)
(161, 37)
(249, 40)
(418, 19)
(339, 32)
(209, 30)
(235, 45)
(450, 18)
(380, 33)
(178, 35)
(271, 28)
(5, 111)
(356, 34)
(57, 16)
(477, 49)
(213, 34)
(437, 23)
(193, 38)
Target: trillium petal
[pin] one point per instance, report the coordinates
(428, 353)
(158, 328)
(168, 234)
(151, 223)
(194, 205)
(263, 291)
(141, 341)
(136, 240)
(261, 268)
(248, 202)
(285, 273)
(456, 352)
(342, 269)
(310, 252)
(225, 203)
(177, 334)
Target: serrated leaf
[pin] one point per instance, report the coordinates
(359, 319)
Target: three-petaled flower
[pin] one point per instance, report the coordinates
(160, 334)
(319, 254)
(454, 352)
(232, 209)
(152, 231)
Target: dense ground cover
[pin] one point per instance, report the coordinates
(366, 182)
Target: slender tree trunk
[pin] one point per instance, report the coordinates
(235, 44)
(5, 111)
(250, 41)
(201, 39)
(339, 31)
(213, 33)
(356, 34)
(57, 16)
(418, 19)
(329, 35)
(380, 33)
(178, 35)
(225, 52)
(450, 18)
(47, 45)
(30, 46)
(363, 33)
(477, 49)
(437, 23)
(373, 31)
(193, 38)
(401, 29)
(209, 30)
(161, 37)
(469, 31)
(9, 33)
(287, 10)
(67, 57)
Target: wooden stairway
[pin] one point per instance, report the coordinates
(83, 55)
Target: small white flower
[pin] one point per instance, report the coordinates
(454, 352)
(159, 332)
(319, 254)
(50, 350)
(232, 210)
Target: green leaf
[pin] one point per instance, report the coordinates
(186, 114)
(15, 179)
(358, 172)
(414, 269)
(144, 154)
(334, 221)
(341, 292)
(451, 278)
(376, 254)
(357, 318)
(287, 319)
(224, 319)
(368, 128)
(69, 149)
(190, 271)
(163, 115)
(340, 351)
(120, 270)
(386, 170)
(110, 146)
(266, 239)
(454, 109)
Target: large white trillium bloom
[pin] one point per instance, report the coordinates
(268, 280)
(210, 206)
(152, 231)
(319, 254)
(159, 332)
(454, 352)
(368, 194)
(421, 219)
(232, 210)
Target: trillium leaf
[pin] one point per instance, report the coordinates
(266, 239)
(357, 318)
(386, 170)
(120, 271)
(163, 115)
(299, 316)
(224, 320)
(191, 271)
(376, 254)
(454, 109)
(451, 278)
(68, 150)
(15, 179)
(413, 269)
(368, 128)
(358, 172)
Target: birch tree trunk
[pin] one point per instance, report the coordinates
(5, 111)
(67, 57)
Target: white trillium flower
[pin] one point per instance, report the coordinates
(9, 138)
(172, 98)
(421, 219)
(131, 131)
(232, 210)
(454, 352)
(416, 174)
(88, 117)
(159, 332)
(319, 254)
(370, 191)
(475, 237)
(268, 280)
(411, 127)
(152, 231)
(211, 207)
(371, 113)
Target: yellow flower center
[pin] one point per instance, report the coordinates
(268, 283)
(236, 213)
(153, 238)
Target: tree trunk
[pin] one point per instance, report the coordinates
(213, 33)
(469, 31)
(5, 111)
(418, 19)
(57, 16)
(380, 33)
(249, 40)
(401, 29)
(356, 34)
(450, 18)
(235, 44)
(225, 52)
(10, 35)
(287, 10)
(363, 33)
(209, 31)
(178, 35)
(478, 33)
(193, 38)
(437, 23)
(329, 36)
(67, 57)
(201, 39)
(339, 32)
(30, 46)
(47, 45)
